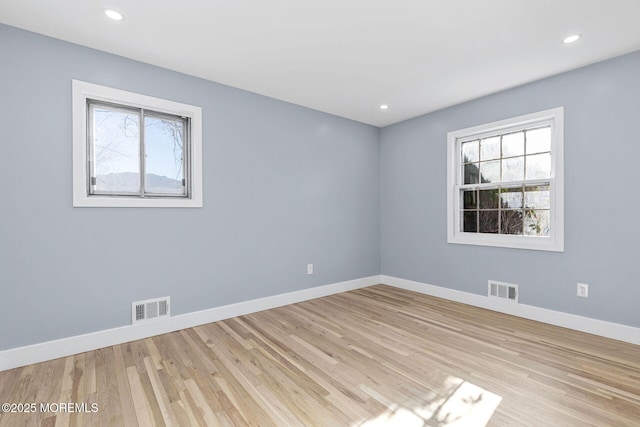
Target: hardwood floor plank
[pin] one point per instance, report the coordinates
(9, 380)
(150, 397)
(140, 403)
(78, 390)
(124, 391)
(201, 403)
(66, 389)
(168, 416)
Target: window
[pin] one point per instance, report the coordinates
(133, 150)
(506, 183)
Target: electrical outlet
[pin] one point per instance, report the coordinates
(309, 268)
(583, 290)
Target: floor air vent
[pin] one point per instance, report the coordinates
(150, 309)
(503, 290)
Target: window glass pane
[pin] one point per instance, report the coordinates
(471, 173)
(489, 199)
(488, 221)
(513, 169)
(470, 151)
(470, 199)
(164, 155)
(513, 144)
(539, 140)
(116, 150)
(490, 148)
(490, 171)
(511, 198)
(536, 223)
(511, 222)
(470, 221)
(538, 166)
(537, 197)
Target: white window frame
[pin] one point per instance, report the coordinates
(555, 240)
(81, 93)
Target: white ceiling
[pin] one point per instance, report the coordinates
(346, 57)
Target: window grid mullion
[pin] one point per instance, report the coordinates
(90, 148)
(142, 153)
(500, 188)
(186, 157)
(524, 160)
(477, 207)
(524, 185)
(499, 211)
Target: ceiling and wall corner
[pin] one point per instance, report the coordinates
(348, 58)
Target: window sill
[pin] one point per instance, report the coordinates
(514, 242)
(122, 202)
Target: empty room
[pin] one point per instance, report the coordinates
(287, 213)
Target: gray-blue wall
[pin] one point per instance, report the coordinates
(602, 207)
(283, 186)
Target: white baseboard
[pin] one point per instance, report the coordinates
(22, 356)
(579, 323)
(27, 355)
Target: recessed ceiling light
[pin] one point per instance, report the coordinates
(572, 38)
(116, 16)
(384, 107)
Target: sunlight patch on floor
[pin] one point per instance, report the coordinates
(460, 404)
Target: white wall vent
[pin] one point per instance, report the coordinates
(507, 291)
(151, 309)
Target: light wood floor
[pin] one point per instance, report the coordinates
(375, 356)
